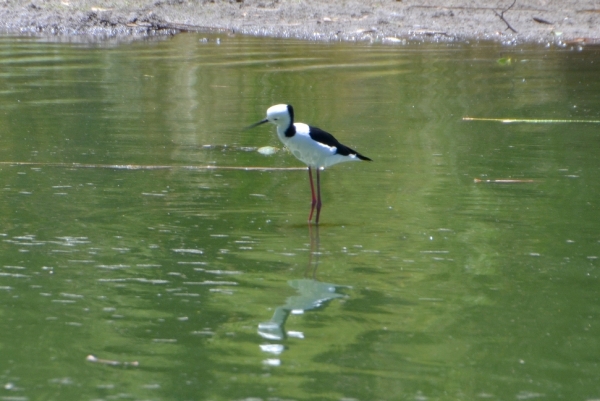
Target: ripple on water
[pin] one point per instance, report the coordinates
(133, 279)
(193, 251)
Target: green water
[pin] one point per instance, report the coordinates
(130, 229)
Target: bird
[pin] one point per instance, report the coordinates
(314, 147)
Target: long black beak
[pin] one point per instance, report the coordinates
(257, 124)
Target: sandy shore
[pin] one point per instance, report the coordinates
(533, 21)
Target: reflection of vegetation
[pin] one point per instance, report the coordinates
(454, 283)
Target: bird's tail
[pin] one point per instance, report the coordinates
(361, 157)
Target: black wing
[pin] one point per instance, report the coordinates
(324, 137)
(318, 135)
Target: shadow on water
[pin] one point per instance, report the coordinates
(312, 294)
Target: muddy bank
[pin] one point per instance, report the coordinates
(534, 21)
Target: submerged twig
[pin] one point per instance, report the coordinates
(149, 167)
(501, 15)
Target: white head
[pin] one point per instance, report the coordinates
(281, 115)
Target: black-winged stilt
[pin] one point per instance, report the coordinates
(311, 145)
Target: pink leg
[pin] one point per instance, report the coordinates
(318, 195)
(312, 191)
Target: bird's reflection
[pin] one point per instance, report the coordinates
(312, 294)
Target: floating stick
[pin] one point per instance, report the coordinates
(92, 358)
(505, 181)
(529, 121)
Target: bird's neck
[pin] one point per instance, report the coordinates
(290, 131)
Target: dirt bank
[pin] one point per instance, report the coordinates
(535, 21)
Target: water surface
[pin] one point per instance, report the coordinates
(149, 251)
